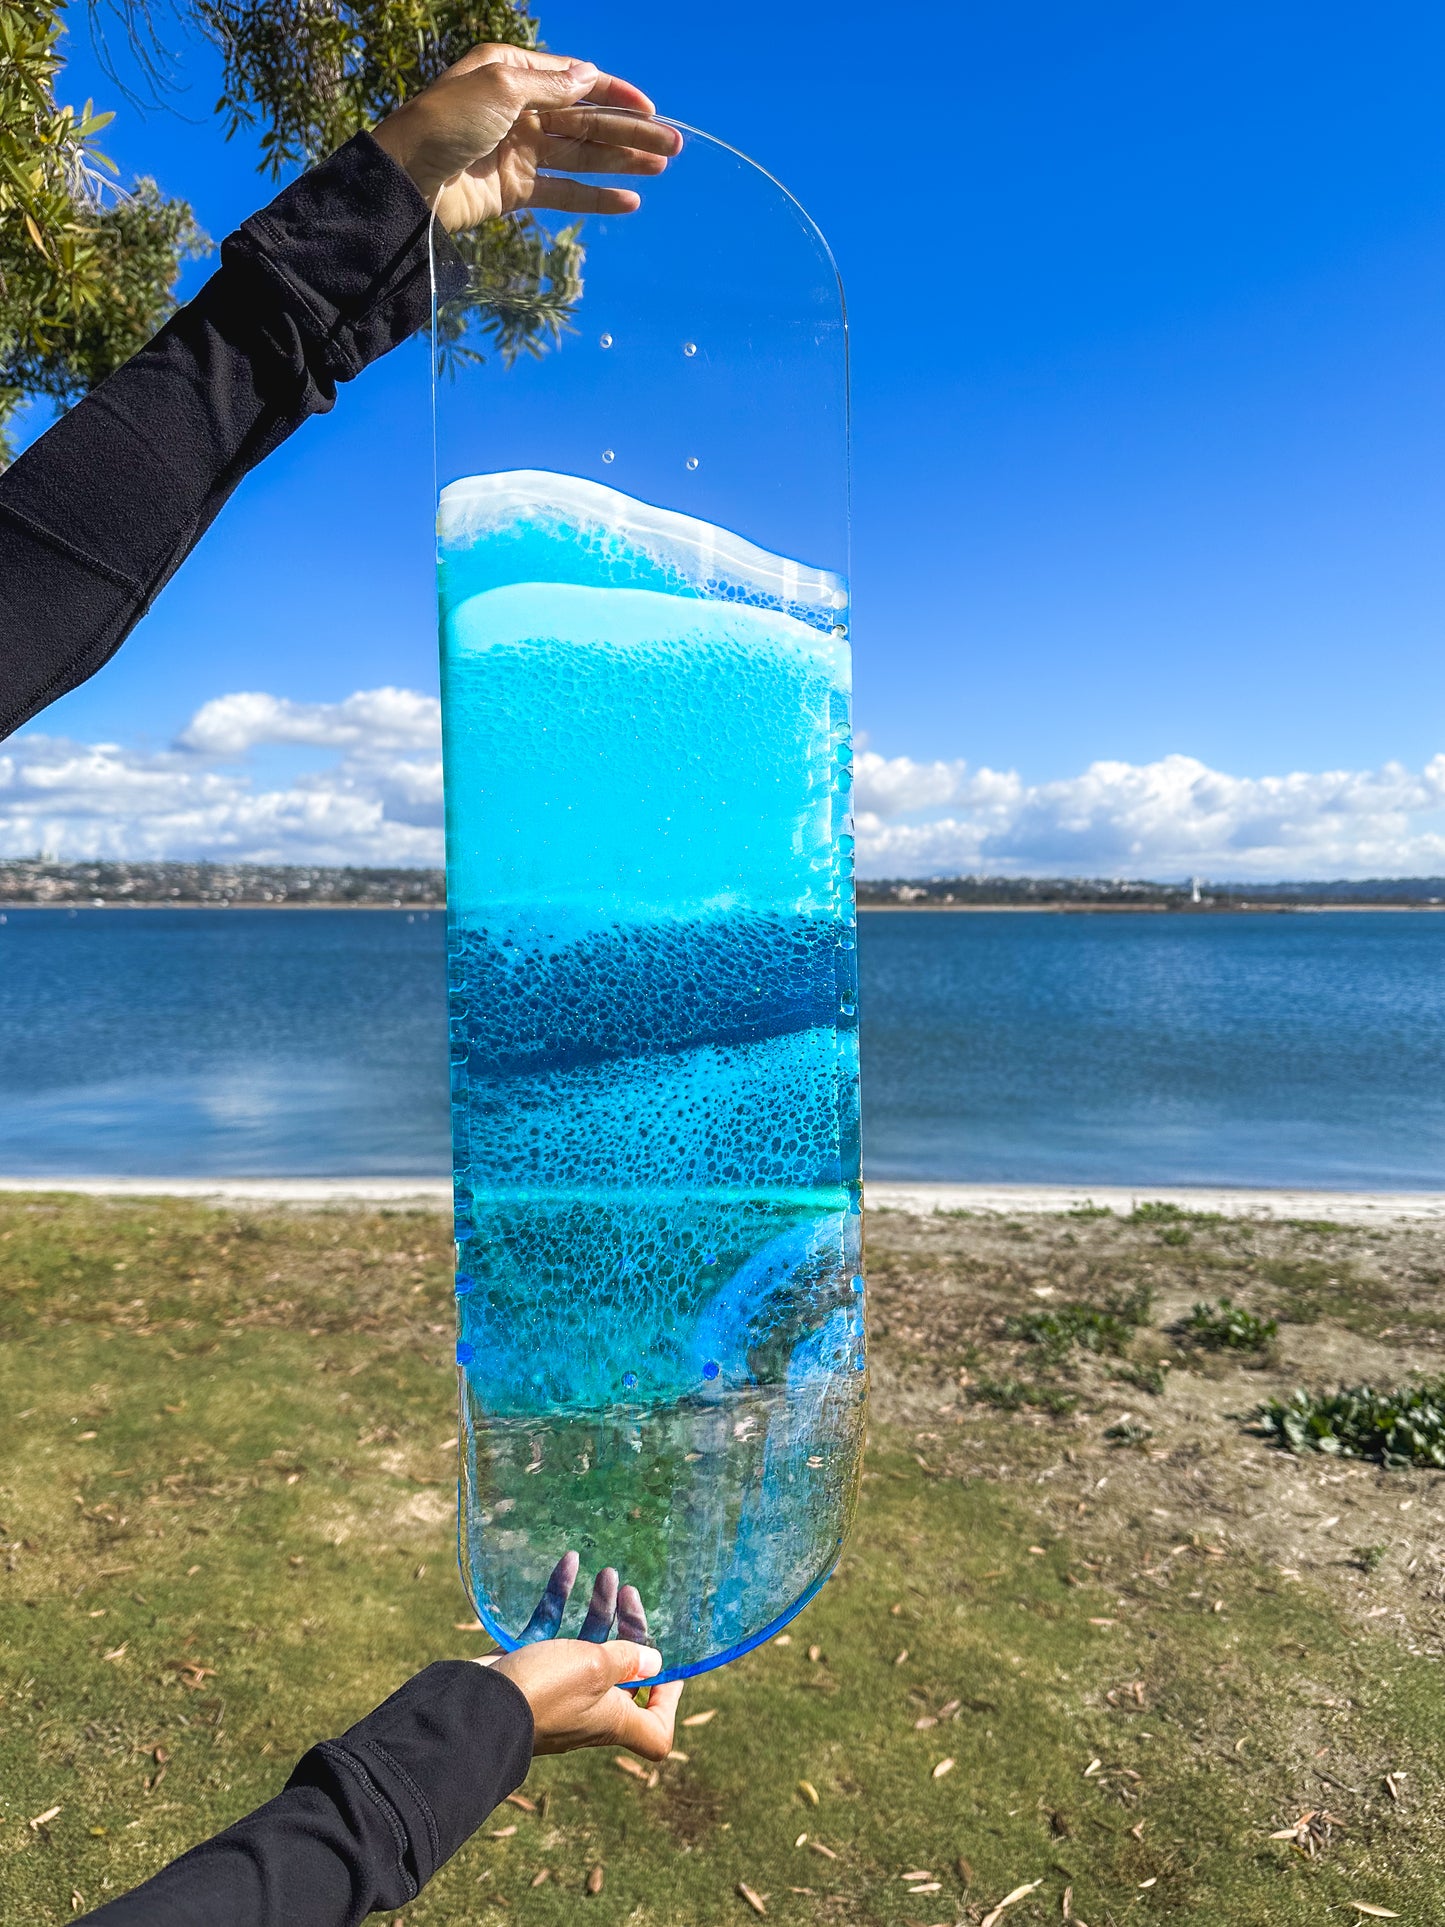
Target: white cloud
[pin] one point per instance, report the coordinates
(1171, 818)
(378, 799)
(378, 802)
(376, 719)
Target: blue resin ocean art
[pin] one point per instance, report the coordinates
(653, 1019)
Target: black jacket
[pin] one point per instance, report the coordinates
(97, 515)
(364, 1821)
(94, 519)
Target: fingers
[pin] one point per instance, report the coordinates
(631, 1617)
(649, 1729)
(602, 1608)
(550, 1607)
(572, 197)
(589, 125)
(610, 91)
(594, 157)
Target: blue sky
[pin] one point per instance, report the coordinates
(1148, 311)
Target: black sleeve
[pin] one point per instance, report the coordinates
(98, 513)
(364, 1821)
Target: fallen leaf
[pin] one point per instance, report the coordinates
(117, 1653)
(1392, 1785)
(501, 1833)
(681, 1758)
(467, 1626)
(809, 1792)
(1092, 1768)
(542, 1875)
(755, 1901)
(815, 1653)
(43, 1819)
(944, 1766)
(1375, 1913)
(928, 1887)
(816, 1846)
(594, 1881)
(521, 1800)
(948, 1709)
(965, 1870)
(633, 1767)
(783, 1639)
(1152, 1881)
(1103, 1622)
(1009, 1900)
(801, 1840)
(701, 1719)
(902, 1659)
(923, 1725)
(917, 1875)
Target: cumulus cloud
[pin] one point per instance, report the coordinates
(1174, 817)
(377, 799)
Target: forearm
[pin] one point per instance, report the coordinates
(363, 1823)
(97, 514)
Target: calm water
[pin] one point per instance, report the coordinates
(1232, 1049)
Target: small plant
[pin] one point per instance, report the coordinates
(1088, 1209)
(1227, 1327)
(1176, 1234)
(1157, 1212)
(1129, 1431)
(1368, 1558)
(1093, 1328)
(1152, 1378)
(1405, 1426)
(1013, 1394)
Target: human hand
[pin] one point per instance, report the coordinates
(572, 1685)
(477, 141)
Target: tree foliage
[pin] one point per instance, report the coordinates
(87, 269)
(311, 73)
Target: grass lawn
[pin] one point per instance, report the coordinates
(1091, 1633)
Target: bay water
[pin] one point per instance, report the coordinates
(1133, 1049)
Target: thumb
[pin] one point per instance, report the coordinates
(627, 1663)
(560, 86)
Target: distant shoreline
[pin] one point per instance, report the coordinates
(890, 909)
(1138, 909)
(915, 1199)
(157, 903)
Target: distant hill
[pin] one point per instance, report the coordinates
(35, 881)
(1103, 893)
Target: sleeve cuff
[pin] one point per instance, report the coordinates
(445, 1750)
(346, 244)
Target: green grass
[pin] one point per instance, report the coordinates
(1155, 1211)
(256, 1544)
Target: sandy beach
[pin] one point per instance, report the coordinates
(916, 1199)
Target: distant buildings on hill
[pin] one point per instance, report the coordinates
(215, 885)
(38, 881)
